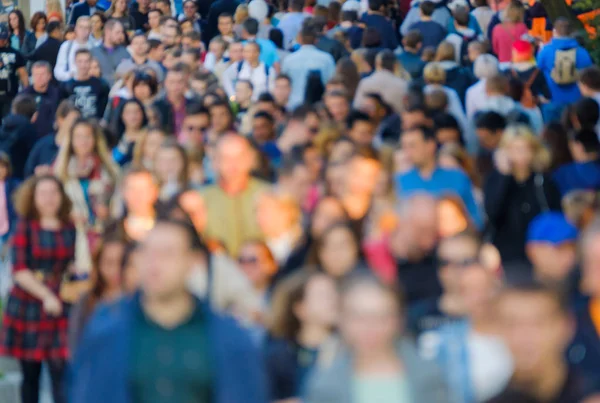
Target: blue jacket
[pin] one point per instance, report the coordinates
(11, 187)
(80, 9)
(100, 369)
(562, 94)
(46, 108)
(577, 176)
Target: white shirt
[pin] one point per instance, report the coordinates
(65, 68)
(257, 76)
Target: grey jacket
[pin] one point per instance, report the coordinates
(109, 60)
(332, 383)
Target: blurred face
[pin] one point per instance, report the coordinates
(338, 107)
(416, 148)
(13, 20)
(413, 119)
(362, 133)
(243, 92)
(535, 330)
(447, 136)
(189, 9)
(120, 6)
(314, 163)
(216, 49)
(41, 25)
(257, 265)
(520, 153)
(402, 162)
(370, 320)
(194, 127)
(477, 288)
(339, 252)
(82, 30)
(41, 77)
(591, 263)
(327, 212)
(454, 255)
(175, 84)
(47, 198)
(168, 164)
(225, 26)
(152, 144)
(220, 118)
(487, 139)
(96, 23)
(83, 141)
(140, 193)
(154, 20)
(133, 116)
(189, 60)
(95, 69)
(83, 62)
(262, 130)
(320, 306)
(185, 28)
(142, 91)
(274, 219)
(452, 221)
(362, 176)
(168, 36)
(165, 262)
(110, 264)
(552, 263)
(139, 46)
(236, 52)
(234, 160)
(282, 91)
(251, 53)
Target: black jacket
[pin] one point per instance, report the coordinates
(47, 104)
(584, 352)
(17, 137)
(460, 79)
(332, 46)
(47, 51)
(44, 152)
(212, 20)
(511, 206)
(167, 118)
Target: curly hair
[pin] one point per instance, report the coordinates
(25, 199)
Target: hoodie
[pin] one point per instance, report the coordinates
(457, 39)
(47, 103)
(441, 15)
(17, 137)
(458, 78)
(562, 94)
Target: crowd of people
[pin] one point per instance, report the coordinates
(300, 201)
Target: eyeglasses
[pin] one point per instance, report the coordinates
(471, 261)
(198, 129)
(247, 260)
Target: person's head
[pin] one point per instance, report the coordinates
(486, 66)
(252, 52)
(263, 127)
(276, 36)
(374, 106)
(584, 145)
(347, 72)
(579, 207)
(308, 34)
(156, 50)
(371, 319)
(413, 41)
(24, 105)
(304, 299)
(146, 147)
(225, 24)
(171, 164)
(337, 105)
(427, 8)
(589, 81)
(515, 13)
(195, 124)
(362, 172)
(360, 128)
(170, 35)
(420, 145)
(192, 40)
(445, 52)
(217, 47)
(536, 327)
(144, 87)
(171, 58)
(461, 17)
(166, 259)
(414, 116)
(386, 60)
(118, 8)
(140, 192)
(234, 159)
(132, 116)
(16, 23)
(489, 127)
(54, 30)
(154, 16)
(241, 14)
(43, 197)
(113, 32)
(175, 82)
(296, 6)
(106, 269)
(41, 74)
(190, 9)
(258, 264)
(221, 116)
(434, 74)
(83, 28)
(371, 38)
(277, 214)
(475, 49)
(454, 254)
(38, 22)
(83, 61)
(164, 6)
(283, 89)
(497, 85)
(524, 149)
(139, 45)
(250, 28)
(338, 250)
(85, 139)
(447, 130)
(585, 114)
(66, 115)
(191, 58)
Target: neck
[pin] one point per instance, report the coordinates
(111, 294)
(380, 361)
(254, 64)
(108, 44)
(451, 304)
(424, 18)
(50, 222)
(235, 187)
(171, 311)
(313, 336)
(175, 99)
(40, 88)
(549, 380)
(139, 59)
(83, 77)
(426, 170)
(521, 174)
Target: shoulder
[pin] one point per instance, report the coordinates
(108, 319)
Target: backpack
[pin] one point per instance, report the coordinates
(314, 89)
(464, 50)
(528, 100)
(565, 67)
(239, 69)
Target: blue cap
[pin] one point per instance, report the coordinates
(551, 228)
(4, 34)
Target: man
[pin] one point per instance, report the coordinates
(291, 23)
(489, 127)
(191, 58)
(225, 27)
(589, 85)
(374, 18)
(332, 46)
(463, 35)
(65, 68)
(82, 9)
(230, 202)
(162, 344)
(337, 105)
(410, 58)
(17, 134)
(89, 94)
(139, 59)
(282, 90)
(244, 92)
(110, 53)
(154, 16)
(433, 33)
(560, 60)
(195, 125)
(12, 70)
(139, 11)
(48, 50)
(360, 128)
(170, 35)
(584, 172)
(427, 176)
(536, 326)
(46, 94)
(308, 59)
(386, 122)
(383, 82)
(156, 52)
(350, 27)
(218, 8)
(190, 13)
(221, 119)
(174, 103)
(253, 69)
(268, 51)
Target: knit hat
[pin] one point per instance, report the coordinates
(522, 51)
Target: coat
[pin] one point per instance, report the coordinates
(100, 369)
(383, 82)
(46, 108)
(17, 138)
(80, 9)
(167, 117)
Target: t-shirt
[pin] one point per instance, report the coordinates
(90, 96)
(373, 389)
(432, 32)
(10, 61)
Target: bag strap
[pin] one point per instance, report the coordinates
(532, 78)
(538, 181)
(69, 47)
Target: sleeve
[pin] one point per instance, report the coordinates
(102, 99)
(60, 70)
(393, 41)
(470, 203)
(228, 79)
(495, 193)
(358, 97)
(542, 86)
(272, 77)
(409, 20)
(31, 162)
(19, 61)
(583, 58)
(20, 253)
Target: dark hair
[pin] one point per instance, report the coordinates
(221, 103)
(302, 112)
(83, 51)
(36, 18)
(490, 120)
(297, 5)
(226, 15)
(121, 124)
(193, 35)
(516, 88)
(171, 143)
(375, 5)
(251, 26)
(427, 133)
(412, 39)
(155, 10)
(196, 244)
(348, 73)
(284, 76)
(349, 15)
(587, 138)
(357, 116)
(53, 26)
(461, 16)
(555, 136)
(308, 32)
(562, 26)
(387, 59)
(335, 9)
(371, 38)
(264, 115)
(266, 97)
(427, 8)
(276, 36)
(590, 77)
(153, 44)
(587, 112)
(196, 109)
(98, 286)
(148, 79)
(24, 105)
(22, 29)
(102, 17)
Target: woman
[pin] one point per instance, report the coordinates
(34, 328)
(144, 88)
(20, 39)
(337, 251)
(54, 11)
(171, 169)
(505, 34)
(118, 11)
(517, 191)
(258, 264)
(347, 71)
(38, 27)
(131, 126)
(144, 152)
(328, 211)
(457, 77)
(98, 19)
(376, 360)
(304, 314)
(241, 15)
(89, 174)
(106, 286)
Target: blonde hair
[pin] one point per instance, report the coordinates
(140, 145)
(287, 202)
(434, 73)
(100, 149)
(445, 52)
(514, 13)
(54, 6)
(326, 138)
(111, 9)
(541, 156)
(241, 14)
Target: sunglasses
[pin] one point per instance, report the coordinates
(248, 260)
(198, 129)
(458, 263)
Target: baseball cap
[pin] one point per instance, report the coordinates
(4, 34)
(551, 228)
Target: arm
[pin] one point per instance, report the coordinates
(23, 76)
(102, 100)
(60, 70)
(495, 193)
(228, 80)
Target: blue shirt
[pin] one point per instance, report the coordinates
(577, 176)
(300, 63)
(442, 182)
(432, 32)
(290, 25)
(384, 27)
(268, 51)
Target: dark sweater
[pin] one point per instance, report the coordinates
(47, 51)
(47, 103)
(412, 63)
(432, 32)
(385, 28)
(44, 152)
(17, 137)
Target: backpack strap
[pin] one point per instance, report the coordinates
(69, 47)
(532, 78)
(267, 70)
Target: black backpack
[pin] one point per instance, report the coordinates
(464, 49)
(314, 90)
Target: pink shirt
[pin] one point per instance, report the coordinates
(503, 37)
(4, 219)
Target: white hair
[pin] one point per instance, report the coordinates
(486, 66)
